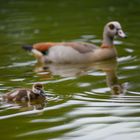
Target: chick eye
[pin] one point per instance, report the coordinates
(111, 26)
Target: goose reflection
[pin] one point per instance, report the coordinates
(67, 70)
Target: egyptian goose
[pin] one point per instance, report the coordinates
(24, 94)
(78, 52)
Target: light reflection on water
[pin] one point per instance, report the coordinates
(109, 116)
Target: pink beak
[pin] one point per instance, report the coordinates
(121, 34)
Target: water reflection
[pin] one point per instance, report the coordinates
(109, 67)
(25, 105)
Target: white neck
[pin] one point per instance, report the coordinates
(107, 40)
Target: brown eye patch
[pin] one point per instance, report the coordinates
(111, 26)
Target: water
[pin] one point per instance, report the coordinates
(80, 103)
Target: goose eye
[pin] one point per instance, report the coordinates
(111, 26)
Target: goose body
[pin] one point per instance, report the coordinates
(78, 52)
(24, 94)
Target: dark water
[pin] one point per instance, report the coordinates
(80, 103)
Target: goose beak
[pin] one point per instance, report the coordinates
(121, 34)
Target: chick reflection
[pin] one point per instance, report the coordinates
(28, 105)
(67, 70)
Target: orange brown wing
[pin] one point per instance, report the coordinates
(43, 46)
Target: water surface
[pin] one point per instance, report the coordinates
(80, 104)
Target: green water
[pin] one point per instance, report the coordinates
(80, 102)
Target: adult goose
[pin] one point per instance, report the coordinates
(78, 52)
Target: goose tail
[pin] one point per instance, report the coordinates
(27, 47)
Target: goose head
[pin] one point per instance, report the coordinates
(113, 29)
(38, 88)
